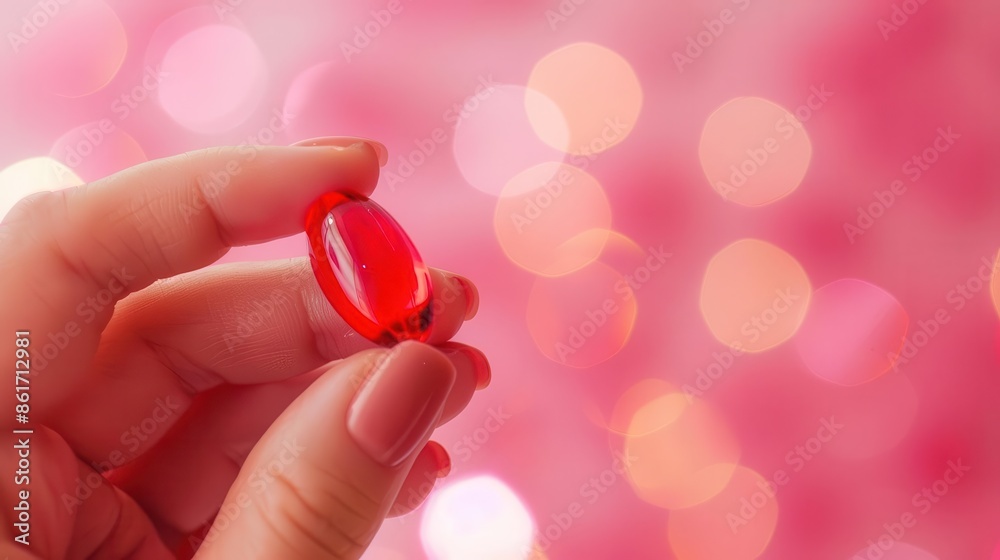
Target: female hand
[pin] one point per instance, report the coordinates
(161, 394)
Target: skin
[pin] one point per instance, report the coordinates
(160, 376)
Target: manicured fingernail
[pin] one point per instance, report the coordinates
(471, 294)
(400, 403)
(466, 357)
(346, 142)
(441, 458)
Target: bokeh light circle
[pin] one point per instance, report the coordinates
(754, 296)
(597, 91)
(542, 213)
(754, 152)
(684, 452)
(70, 49)
(581, 319)
(215, 76)
(622, 253)
(33, 175)
(636, 399)
(477, 518)
(97, 149)
(736, 524)
(852, 333)
(494, 141)
(319, 102)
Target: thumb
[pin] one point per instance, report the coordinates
(321, 480)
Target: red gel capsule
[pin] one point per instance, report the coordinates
(369, 269)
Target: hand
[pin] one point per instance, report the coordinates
(161, 394)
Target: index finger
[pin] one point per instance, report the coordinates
(73, 254)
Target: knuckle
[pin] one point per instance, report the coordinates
(36, 206)
(335, 517)
(31, 222)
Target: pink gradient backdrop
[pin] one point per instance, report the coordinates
(196, 73)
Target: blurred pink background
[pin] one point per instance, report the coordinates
(736, 257)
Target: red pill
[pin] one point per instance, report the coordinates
(369, 269)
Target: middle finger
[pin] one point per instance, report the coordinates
(239, 324)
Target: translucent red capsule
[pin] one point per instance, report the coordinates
(369, 269)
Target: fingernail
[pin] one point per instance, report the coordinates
(468, 357)
(346, 142)
(441, 458)
(471, 294)
(400, 403)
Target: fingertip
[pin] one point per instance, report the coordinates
(381, 152)
(431, 464)
(469, 362)
(378, 148)
(471, 373)
(430, 360)
(365, 420)
(471, 296)
(442, 461)
(401, 402)
(456, 300)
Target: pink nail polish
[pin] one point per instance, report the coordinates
(346, 141)
(398, 407)
(466, 357)
(441, 458)
(471, 296)
(484, 374)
